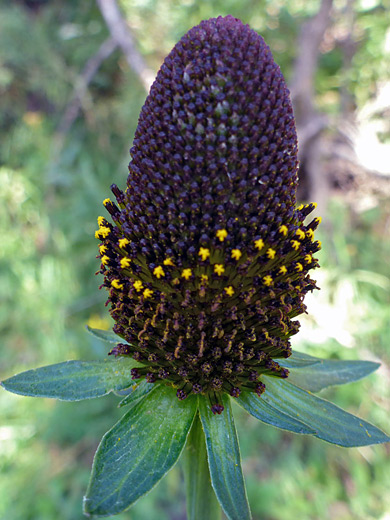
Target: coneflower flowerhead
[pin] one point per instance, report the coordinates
(207, 259)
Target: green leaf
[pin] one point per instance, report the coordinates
(200, 497)
(105, 335)
(138, 451)
(224, 459)
(330, 372)
(298, 359)
(73, 380)
(331, 423)
(139, 390)
(263, 411)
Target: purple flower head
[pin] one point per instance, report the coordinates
(207, 261)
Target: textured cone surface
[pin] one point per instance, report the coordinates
(206, 263)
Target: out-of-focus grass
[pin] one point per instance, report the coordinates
(48, 209)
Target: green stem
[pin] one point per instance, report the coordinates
(201, 500)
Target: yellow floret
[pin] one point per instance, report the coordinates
(219, 269)
(295, 244)
(123, 242)
(271, 253)
(103, 232)
(282, 269)
(100, 221)
(319, 244)
(204, 253)
(310, 234)
(147, 293)
(308, 259)
(221, 234)
(318, 219)
(259, 244)
(168, 261)
(104, 259)
(299, 267)
(300, 234)
(283, 229)
(138, 285)
(267, 280)
(236, 254)
(229, 290)
(106, 201)
(102, 249)
(204, 278)
(158, 271)
(125, 262)
(186, 273)
(116, 284)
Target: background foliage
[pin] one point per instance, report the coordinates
(52, 184)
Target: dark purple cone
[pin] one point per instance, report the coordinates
(207, 260)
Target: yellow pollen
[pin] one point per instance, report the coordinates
(221, 234)
(229, 290)
(319, 244)
(300, 234)
(308, 259)
(318, 219)
(100, 221)
(204, 278)
(104, 259)
(236, 254)
(314, 204)
(271, 253)
(283, 229)
(106, 201)
(204, 253)
(310, 234)
(301, 207)
(299, 267)
(259, 244)
(168, 261)
(138, 285)
(219, 269)
(282, 269)
(102, 249)
(103, 232)
(147, 293)
(125, 262)
(158, 271)
(186, 273)
(116, 284)
(295, 244)
(123, 242)
(267, 280)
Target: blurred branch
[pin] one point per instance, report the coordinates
(80, 89)
(312, 33)
(311, 123)
(121, 33)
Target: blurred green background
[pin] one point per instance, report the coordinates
(65, 139)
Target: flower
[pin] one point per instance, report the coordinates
(207, 259)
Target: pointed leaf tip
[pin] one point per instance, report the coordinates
(331, 423)
(73, 380)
